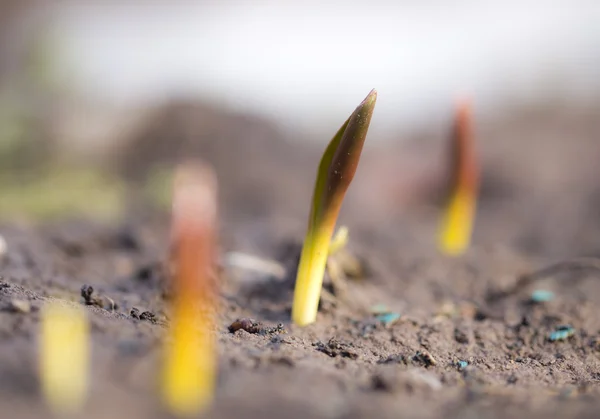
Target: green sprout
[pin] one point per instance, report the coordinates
(336, 171)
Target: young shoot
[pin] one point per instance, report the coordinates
(190, 354)
(335, 172)
(64, 357)
(459, 214)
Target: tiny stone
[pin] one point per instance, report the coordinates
(249, 325)
(388, 318)
(86, 292)
(542, 296)
(20, 306)
(3, 246)
(562, 333)
(135, 313)
(379, 309)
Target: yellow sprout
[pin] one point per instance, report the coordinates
(459, 216)
(64, 357)
(190, 369)
(336, 171)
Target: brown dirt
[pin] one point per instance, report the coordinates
(539, 206)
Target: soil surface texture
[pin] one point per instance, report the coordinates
(458, 338)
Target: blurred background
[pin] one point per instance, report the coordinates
(98, 99)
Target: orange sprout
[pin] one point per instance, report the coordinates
(190, 358)
(457, 224)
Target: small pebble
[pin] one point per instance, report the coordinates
(20, 306)
(249, 325)
(3, 246)
(562, 333)
(379, 309)
(388, 318)
(542, 296)
(86, 293)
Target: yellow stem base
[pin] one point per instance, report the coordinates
(457, 226)
(310, 277)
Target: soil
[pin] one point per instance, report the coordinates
(469, 341)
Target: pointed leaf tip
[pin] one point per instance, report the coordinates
(347, 155)
(370, 99)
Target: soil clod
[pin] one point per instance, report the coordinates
(148, 316)
(249, 325)
(461, 336)
(107, 303)
(144, 316)
(135, 313)
(87, 292)
(254, 327)
(424, 357)
(335, 348)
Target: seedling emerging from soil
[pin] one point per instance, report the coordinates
(64, 357)
(457, 223)
(190, 358)
(335, 172)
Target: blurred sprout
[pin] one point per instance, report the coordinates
(190, 363)
(336, 171)
(459, 215)
(64, 357)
